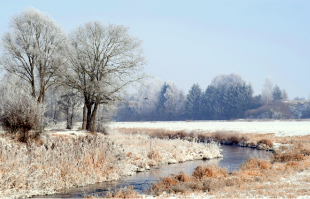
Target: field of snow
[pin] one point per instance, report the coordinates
(280, 128)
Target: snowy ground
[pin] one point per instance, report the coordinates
(280, 128)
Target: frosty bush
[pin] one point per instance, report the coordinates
(20, 112)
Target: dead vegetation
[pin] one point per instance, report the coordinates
(256, 177)
(296, 152)
(124, 192)
(127, 192)
(223, 137)
(60, 161)
(64, 160)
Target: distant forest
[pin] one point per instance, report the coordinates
(227, 97)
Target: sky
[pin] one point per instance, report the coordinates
(193, 41)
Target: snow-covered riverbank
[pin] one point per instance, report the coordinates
(279, 128)
(64, 158)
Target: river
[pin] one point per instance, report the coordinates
(233, 157)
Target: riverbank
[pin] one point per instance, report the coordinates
(62, 159)
(287, 174)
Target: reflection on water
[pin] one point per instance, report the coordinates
(232, 158)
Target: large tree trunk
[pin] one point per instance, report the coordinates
(89, 113)
(84, 117)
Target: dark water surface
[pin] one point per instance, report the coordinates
(233, 157)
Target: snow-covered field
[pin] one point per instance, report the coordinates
(280, 128)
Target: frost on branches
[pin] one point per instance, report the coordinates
(20, 112)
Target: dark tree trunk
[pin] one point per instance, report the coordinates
(84, 117)
(89, 113)
(33, 89)
(72, 114)
(69, 121)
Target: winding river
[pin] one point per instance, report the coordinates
(233, 157)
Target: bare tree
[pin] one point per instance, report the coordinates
(145, 100)
(68, 103)
(33, 50)
(52, 96)
(103, 61)
(172, 100)
(267, 91)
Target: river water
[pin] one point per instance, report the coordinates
(233, 157)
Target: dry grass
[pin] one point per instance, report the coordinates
(266, 142)
(278, 177)
(127, 192)
(297, 152)
(142, 151)
(58, 161)
(224, 137)
(61, 161)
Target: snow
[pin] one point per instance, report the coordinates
(279, 128)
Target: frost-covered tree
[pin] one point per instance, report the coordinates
(161, 109)
(227, 81)
(53, 113)
(68, 103)
(103, 61)
(192, 105)
(276, 93)
(144, 105)
(209, 103)
(227, 97)
(284, 94)
(33, 50)
(147, 100)
(267, 91)
(173, 100)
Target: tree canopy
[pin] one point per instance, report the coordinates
(103, 60)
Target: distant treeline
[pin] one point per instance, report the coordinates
(227, 97)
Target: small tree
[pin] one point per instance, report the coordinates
(284, 94)
(68, 104)
(172, 102)
(192, 105)
(267, 91)
(276, 93)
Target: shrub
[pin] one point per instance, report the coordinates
(297, 152)
(101, 127)
(265, 141)
(127, 192)
(229, 137)
(255, 163)
(211, 171)
(20, 113)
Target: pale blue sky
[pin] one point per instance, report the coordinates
(193, 41)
